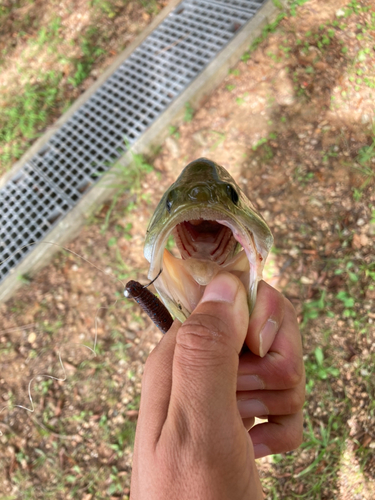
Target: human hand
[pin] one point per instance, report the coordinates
(190, 441)
(272, 386)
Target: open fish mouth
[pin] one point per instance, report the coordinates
(204, 239)
(215, 228)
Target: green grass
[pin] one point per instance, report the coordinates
(269, 28)
(313, 308)
(48, 35)
(7, 8)
(90, 54)
(22, 117)
(38, 96)
(332, 383)
(259, 143)
(124, 178)
(123, 437)
(109, 8)
(318, 368)
(242, 100)
(174, 131)
(366, 167)
(294, 4)
(326, 441)
(220, 139)
(263, 149)
(149, 5)
(189, 112)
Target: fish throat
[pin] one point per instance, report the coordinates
(205, 239)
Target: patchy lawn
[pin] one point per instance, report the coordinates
(52, 51)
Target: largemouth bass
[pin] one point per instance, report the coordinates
(215, 228)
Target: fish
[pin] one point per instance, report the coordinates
(215, 228)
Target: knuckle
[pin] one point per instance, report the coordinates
(200, 337)
(296, 400)
(296, 438)
(291, 309)
(293, 438)
(292, 371)
(201, 333)
(299, 438)
(294, 432)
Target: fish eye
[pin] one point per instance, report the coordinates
(171, 197)
(232, 194)
(168, 204)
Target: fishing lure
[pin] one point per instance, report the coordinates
(152, 306)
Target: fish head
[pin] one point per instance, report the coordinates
(215, 227)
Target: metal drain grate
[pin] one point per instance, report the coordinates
(30, 206)
(115, 116)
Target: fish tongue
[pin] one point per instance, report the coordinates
(202, 271)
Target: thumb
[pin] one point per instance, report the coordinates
(207, 351)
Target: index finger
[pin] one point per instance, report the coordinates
(156, 387)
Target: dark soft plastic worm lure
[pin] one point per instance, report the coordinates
(152, 306)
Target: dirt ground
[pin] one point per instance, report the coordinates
(293, 123)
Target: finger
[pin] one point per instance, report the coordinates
(265, 319)
(156, 385)
(156, 390)
(282, 367)
(206, 356)
(259, 403)
(279, 435)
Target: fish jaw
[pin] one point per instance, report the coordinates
(183, 280)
